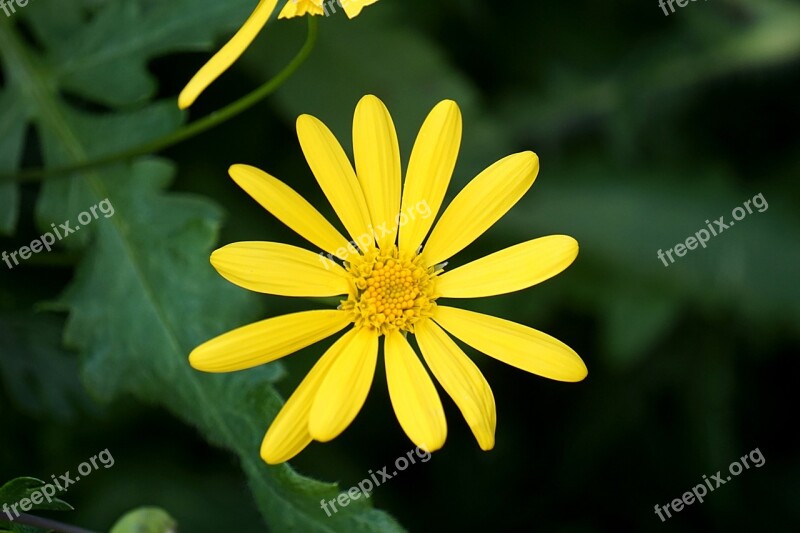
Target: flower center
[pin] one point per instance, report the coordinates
(390, 292)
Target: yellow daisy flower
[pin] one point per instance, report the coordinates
(391, 286)
(234, 48)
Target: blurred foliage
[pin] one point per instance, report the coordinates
(646, 126)
(37, 373)
(23, 488)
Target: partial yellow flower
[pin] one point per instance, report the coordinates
(298, 8)
(295, 8)
(352, 7)
(391, 286)
(234, 48)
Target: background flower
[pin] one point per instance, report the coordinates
(236, 46)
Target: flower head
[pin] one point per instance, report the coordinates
(234, 48)
(389, 285)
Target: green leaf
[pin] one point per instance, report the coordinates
(146, 520)
(36, 372)
(105, 59)
(145, 294)
(166, 299)
(22, 488)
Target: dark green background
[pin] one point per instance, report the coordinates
(646, 126)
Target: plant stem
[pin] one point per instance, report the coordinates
(190, 130)
(47, 524)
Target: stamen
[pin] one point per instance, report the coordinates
(390, 292)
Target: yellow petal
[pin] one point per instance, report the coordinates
(336, 176)
(354, 7)
(513, 344)
(288, 435)
(429, 171)
(280, 269)
(509, 270)
(414, 398)
(266, 341)
(480, 204)
(377, 155)
(345, 387)
(290, 208)
(298, 8)
(229, 53)
(461, 379)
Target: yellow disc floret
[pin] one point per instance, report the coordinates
(390, 292)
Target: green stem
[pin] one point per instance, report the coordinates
(188, 131)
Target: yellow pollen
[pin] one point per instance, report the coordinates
(390, 292)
